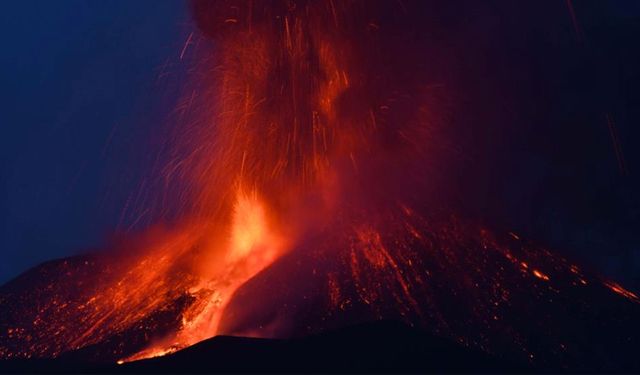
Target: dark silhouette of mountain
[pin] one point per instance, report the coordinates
(383, 346)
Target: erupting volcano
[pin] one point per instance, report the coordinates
(311, 186)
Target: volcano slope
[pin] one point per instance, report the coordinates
(500, 296)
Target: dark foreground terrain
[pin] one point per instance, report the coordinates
(373, 347)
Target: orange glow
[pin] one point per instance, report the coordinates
(622, 291)
(252, 246)
(540, 275)
(249, 226)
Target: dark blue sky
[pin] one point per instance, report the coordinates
(86, 85)
(81, 83)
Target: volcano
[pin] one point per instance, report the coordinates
(500, 296)
(311, 177)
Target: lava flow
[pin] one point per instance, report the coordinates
(313, 168)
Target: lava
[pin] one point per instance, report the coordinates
(307, 171)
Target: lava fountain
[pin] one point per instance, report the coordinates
(296, 132)
(313, 168)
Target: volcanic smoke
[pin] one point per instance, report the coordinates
(312, 198)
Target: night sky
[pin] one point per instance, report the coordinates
(87, 86)
(83, 84)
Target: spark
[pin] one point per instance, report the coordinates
(622, 291)
(540, 275)
(186, 45)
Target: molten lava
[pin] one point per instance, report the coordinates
(309, 173)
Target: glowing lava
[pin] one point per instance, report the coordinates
(251, 246)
